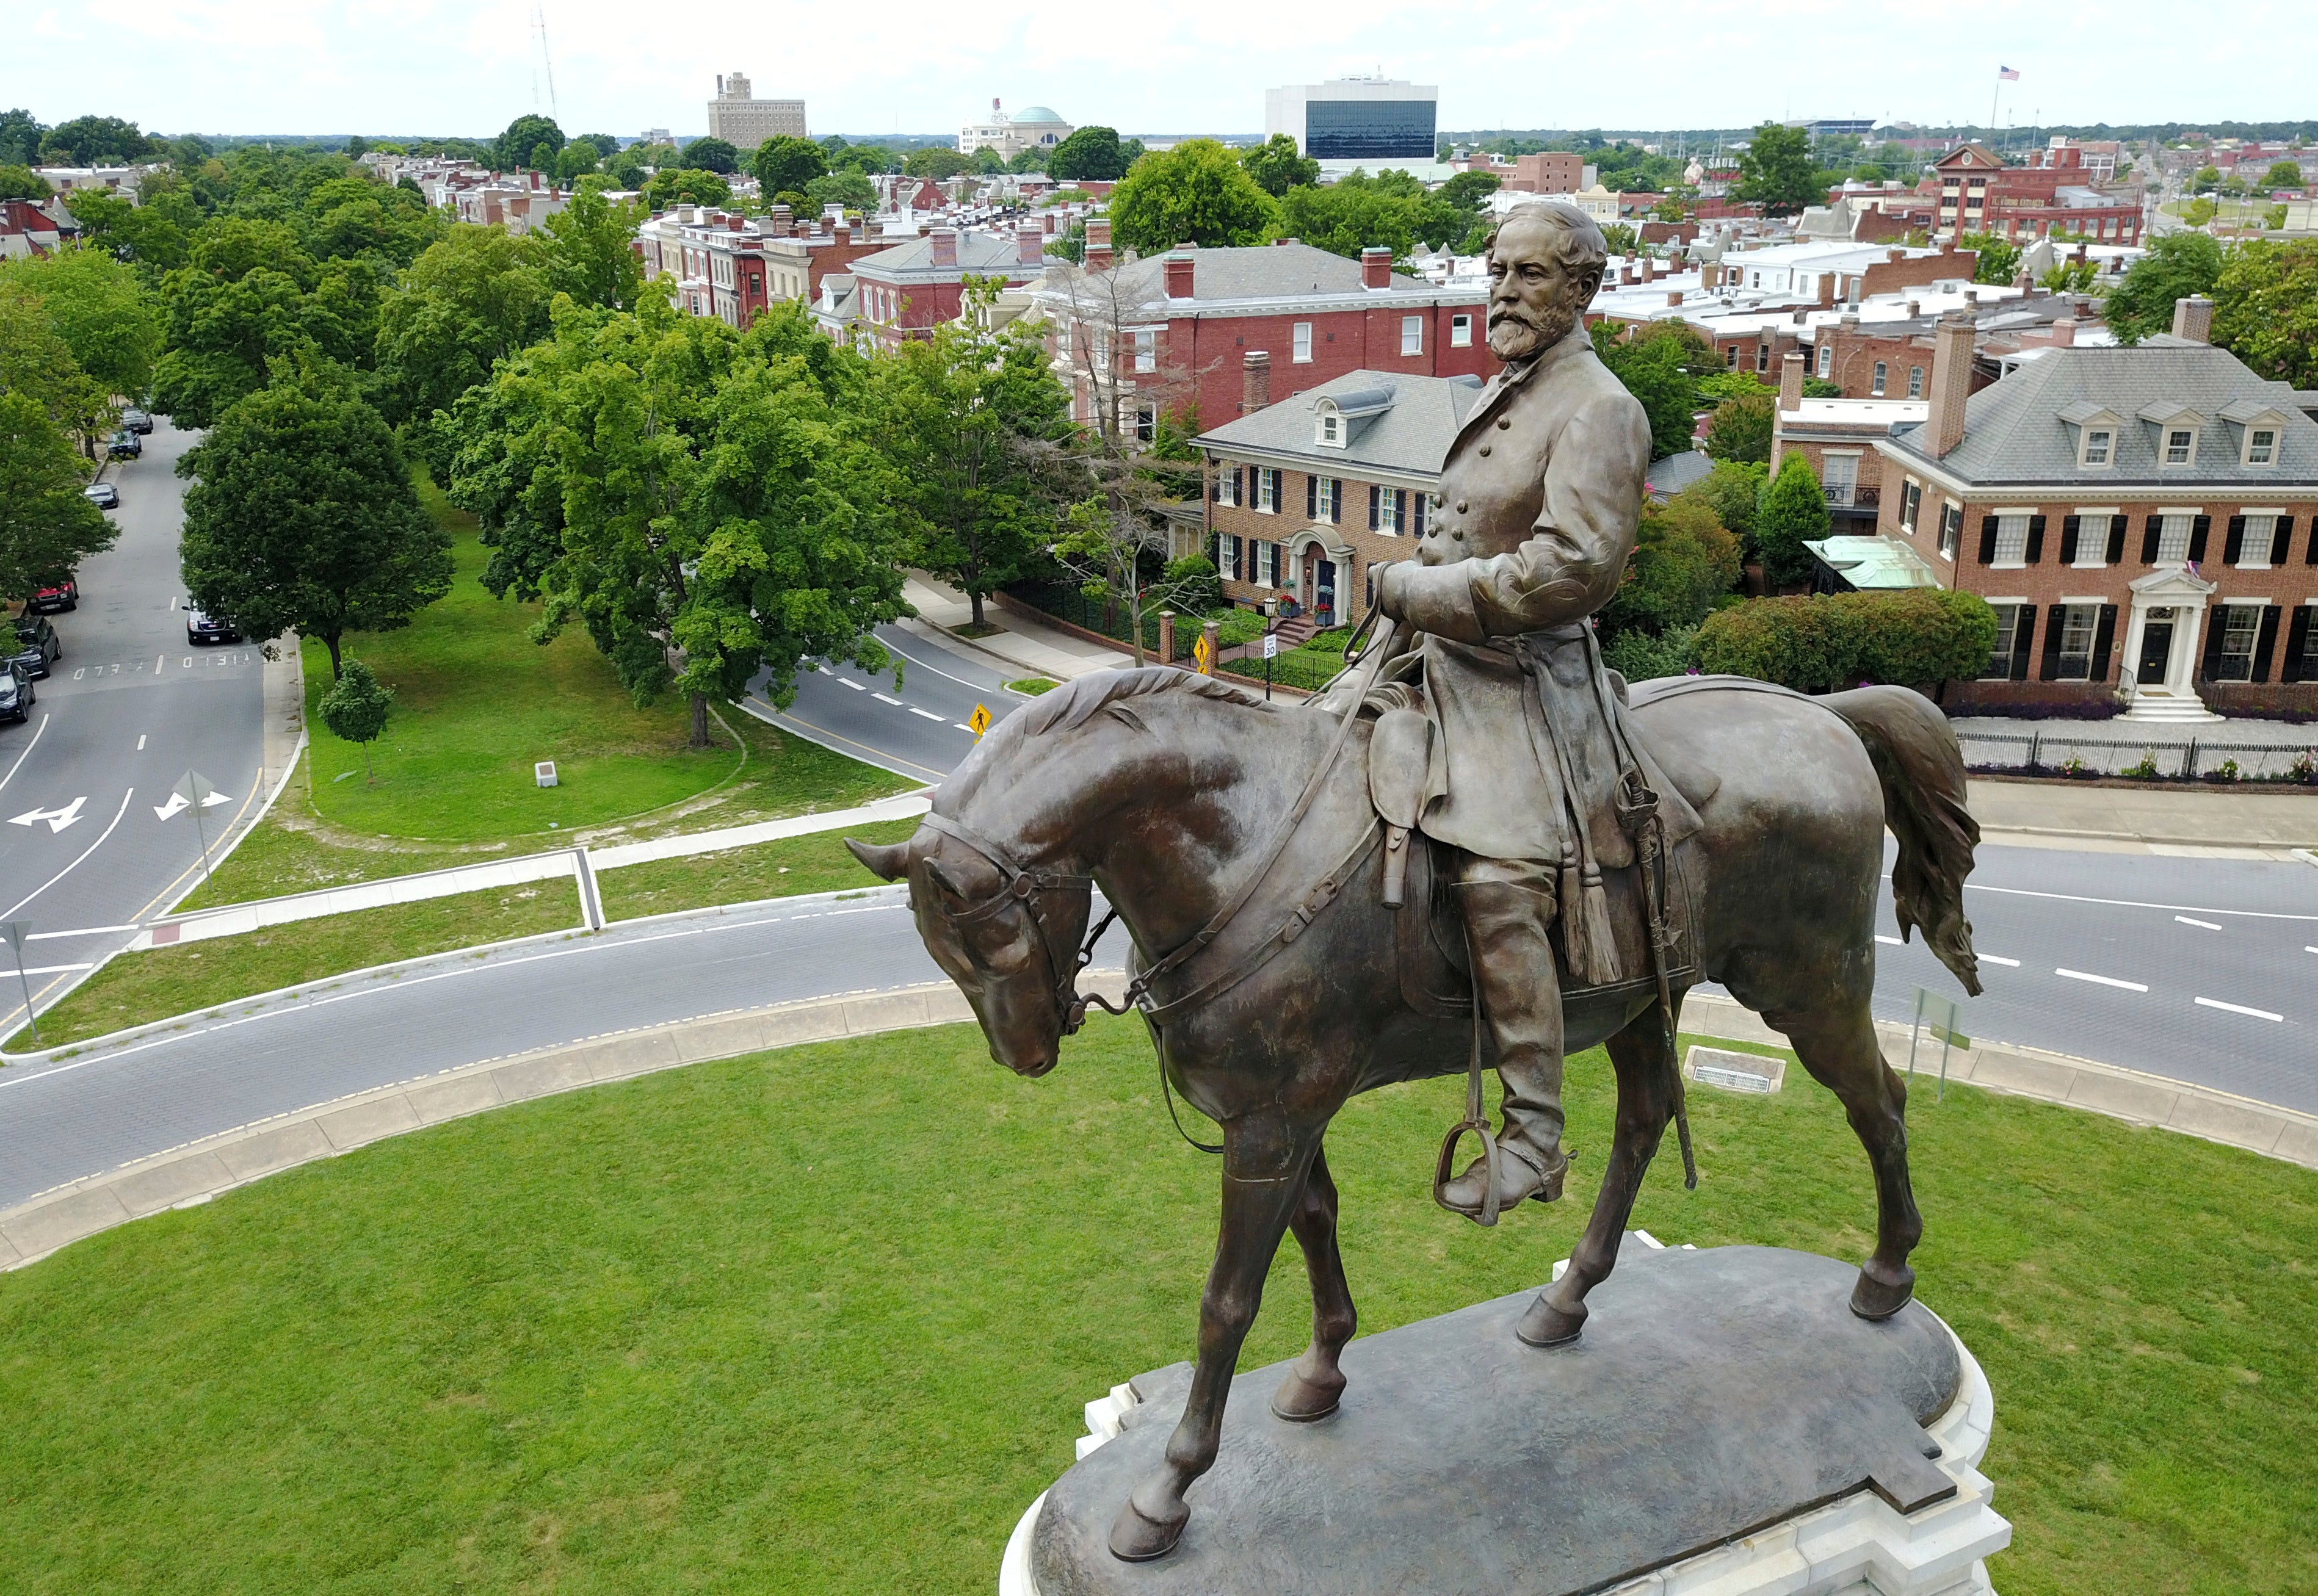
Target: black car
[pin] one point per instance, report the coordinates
(137, 421)
(125, 445)
(15, 693)
(205, 629)
(38, 647)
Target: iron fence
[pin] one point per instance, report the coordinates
(2052, 750)
(1067, 602)
(1306, 670)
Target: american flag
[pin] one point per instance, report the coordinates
(2008, 74)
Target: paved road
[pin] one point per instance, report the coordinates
(129, 709)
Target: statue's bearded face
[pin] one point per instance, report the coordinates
(1534, 297)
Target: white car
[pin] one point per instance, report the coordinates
(104, 495)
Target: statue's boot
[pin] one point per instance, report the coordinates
(1507, 908)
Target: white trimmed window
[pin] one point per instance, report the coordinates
(2100, 446)
(1330, 433)
(1911, 504)
(2180, 445)
(1461, 332)
(1915, 382)
(1146, 350)
(1950, 530)
(2261, 446)
(2241, 625)
(1302, 343)
(1411, 335)
(2253, 552)
(1146, 423)
(1326, 497)
(2008, 632)
(1265, 554)
(2077, 623)
(1389, 512)
(1826, 359)
(1228, 484)
(2011, 540)
(2173, 538)
(1267, 492)
(1883, 376)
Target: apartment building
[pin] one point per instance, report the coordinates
(1979, 194)
(721, 264)
(904, 291)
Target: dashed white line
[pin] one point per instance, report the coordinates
(83, 931)
(2130, 986)
(962, 726)
(1891, 941)
(140, 742)
(2201, 925)
(75, 969)
(1992, 958)
(43, 726)
(881, 698)
(2240, 1008)
(850, 681)
(927, 713)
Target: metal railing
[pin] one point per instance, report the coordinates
(1842, 495)
(2051, 750)
(1067, 602)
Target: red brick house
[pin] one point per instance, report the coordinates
(907, 289)
(732, 266)
(1979, 194)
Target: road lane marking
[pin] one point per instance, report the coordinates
(2201, 925)
(159, 660)
(72, 969)
(1892, 941)
(777, 716)
(1992, 958)
(68, 869)
(881, 698)
(927, 713)
(2240, 1009)
(140, 742)
(962, 726)
(2130, 986)
(27, 754)
(2253, 914)
(936, 670)
(850, 681)
(58, 819)
(83, 931)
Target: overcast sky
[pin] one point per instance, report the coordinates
(1197, 65)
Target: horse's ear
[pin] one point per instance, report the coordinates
(888, 861)
(943, 880)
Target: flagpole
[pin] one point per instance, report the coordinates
(1992, 97)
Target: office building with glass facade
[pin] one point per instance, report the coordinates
(1356, 118)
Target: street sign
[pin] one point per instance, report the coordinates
(197, 792)
(1203, 654)
(1944, 1018)
(978, 721)
(14, 931)
(1271, 645)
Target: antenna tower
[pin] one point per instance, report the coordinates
(539, 30)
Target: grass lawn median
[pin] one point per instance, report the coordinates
(817, 862)
(822, 1321)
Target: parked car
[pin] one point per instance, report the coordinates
(38, 646)
(64, 596)
(137, 421)
(204, 629)
(104, 495)
(15, 693)
(125, 445)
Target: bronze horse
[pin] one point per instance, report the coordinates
(1167, 789)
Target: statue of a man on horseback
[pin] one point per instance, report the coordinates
(1532, 529)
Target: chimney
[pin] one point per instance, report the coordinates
(1951, 381)
(1674, 296)
(1894, 256)
(945, 245)
(1255, 383)
(1376, 268)
(1972, 299)
(1649, 269)
(1098, 244)
(1791, 382)
(1915, 308)
(2064, 332)
(1178, 267)
(1827, 291)
(1030, 245)
(2192, 318)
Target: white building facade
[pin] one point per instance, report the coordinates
(744, 122)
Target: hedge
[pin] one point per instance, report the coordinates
(1820, 643)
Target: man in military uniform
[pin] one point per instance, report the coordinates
(1531, 528)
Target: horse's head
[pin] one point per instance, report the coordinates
(1009, 938)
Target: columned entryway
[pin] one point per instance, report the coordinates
(2158, 678)
(1324, 577)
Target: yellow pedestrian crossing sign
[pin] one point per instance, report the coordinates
(978, 721)
(1203, 652)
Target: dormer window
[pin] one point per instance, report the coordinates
(2261, 446)
(2098, 443)
(1330, 432)
(2180, 445)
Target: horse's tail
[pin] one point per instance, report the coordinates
(1921, 767)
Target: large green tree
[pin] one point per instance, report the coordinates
(37, 363)
(2177, 266)
(1794, 509)
(590, 251)
(1684, 559)
(518, 146)
(1277, 167)
(469, 301)
(708, 504)
(686, 185)
(964, 416)
(20, 137)
(103, 311)
(302, 515)
(19, 182)
(1776, 170)
(713, 154)
(94, 141)
(2266, 308)
(46, 528)
(250, 296)
(1088, 155)
(931, 160)
(785, 165)
(1741, 429)
(1999, 259)
(1657, 367)
(1194, 194)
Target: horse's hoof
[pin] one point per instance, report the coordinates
(1300, 1400)
(1136, 1536)
(1874, 1299)
(1545, 1325)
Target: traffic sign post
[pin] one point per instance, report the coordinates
(978, 721)
(196, 792)
(1270, 653)
(1943, 1017)
(13, 931)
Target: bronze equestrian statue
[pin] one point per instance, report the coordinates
(1304, 931)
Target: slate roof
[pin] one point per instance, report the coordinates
(982, 254)
(1671, 475)
(1410, 435)
(1270, 271)
(2015, 432)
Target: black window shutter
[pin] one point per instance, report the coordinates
(2198, 532)
(1311, 498)
(2150, 529)
(2035, 540)
(1988, 540)
(1400, 510)
(2023, 639)
(2265, 644)
(2054, 614)
(2115, 539)
(2104, 638)
(2310, 551)
(2234, 542)
(2214, 630)
(1424, 504)
(1239, 485)
(1373, 491)
(2070, 526)
(2297, 642)
(2281, 539)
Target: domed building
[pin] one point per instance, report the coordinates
(1034, 127)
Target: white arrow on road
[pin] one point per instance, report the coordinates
(181, 797)
(58, 819)
(176, 802)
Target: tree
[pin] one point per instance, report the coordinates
(848, 188)
(2283, 174)
(1683, 559)
(1467, 190)
(2178, 266)
(2206, 180)
(1091, 154)
(103, 311)
(783, 164)
(94, 141)
(2266, 308)
(46, 528)
(1776, 169)
(1194, 194)
(1734, 491)
(713, 154)
(354, 709)
(527, 133)
(1620, 238)
(302, 515)
(20, 137)
(1655, 368)
(21, 182)
(684, 185)
(708, 503)
(1741, 428)
(1999, 258)
(588, 251)
(1030, 159)
(1794, 508)
(931, 160)
(249, 295)
(469, 302)
(1277, 167)
(1815, 643)
(578, 160)
(37, 364)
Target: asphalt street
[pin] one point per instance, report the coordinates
(918, 731)
(91, 839)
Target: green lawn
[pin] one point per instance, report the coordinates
(817, 862)
(823, 1320)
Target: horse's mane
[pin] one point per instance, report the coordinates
(1070, 704)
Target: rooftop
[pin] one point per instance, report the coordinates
(1874, 563)
(1262, 272)
(1393, 422)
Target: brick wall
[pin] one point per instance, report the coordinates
(1289, 530)
(1202, 359)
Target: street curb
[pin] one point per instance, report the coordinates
(193, 1173)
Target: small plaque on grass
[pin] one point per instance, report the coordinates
(544, 771)
(1734, 1072)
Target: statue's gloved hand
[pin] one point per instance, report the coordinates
(1386, 603)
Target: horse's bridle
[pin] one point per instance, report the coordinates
(1028, 888)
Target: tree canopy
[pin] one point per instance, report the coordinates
(1999, 258)
(518, 144)
(1794, 508)
(931, 160)
(1658, 367)
(785, 164)
(95, 141)
(2283, 174)
(469, 302)
(1088, 155)
(1776, 170)
(712, 155)
(1277, 167)
(1194, 194)
(1741, 428)
(1391, 209)
(2177, 266)
(687, 185)
(2266, 308)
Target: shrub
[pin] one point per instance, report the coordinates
(1819, 643)
(1794, 509)
(1198, 585)
(1639, 658)
(1236, 627)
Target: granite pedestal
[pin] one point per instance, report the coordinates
(1724, 1425)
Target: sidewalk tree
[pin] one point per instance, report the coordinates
(708, 503)
(1277, 167)
(1194, 194)
(37, 364)
(248, 296)
(1776, 169)
(104, 313)
(46, 528)
(1794, 509)
(964, 415)
(354, 709)
(302, 515)
(471, 301)
(2178, 266)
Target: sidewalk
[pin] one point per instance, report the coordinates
(1022, 645)
(2151, 821)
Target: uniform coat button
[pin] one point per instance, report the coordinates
(1459, 534)
(1460, 506)
(1504, 422)
(1485, 448)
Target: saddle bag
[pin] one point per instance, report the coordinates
(1398, 751)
